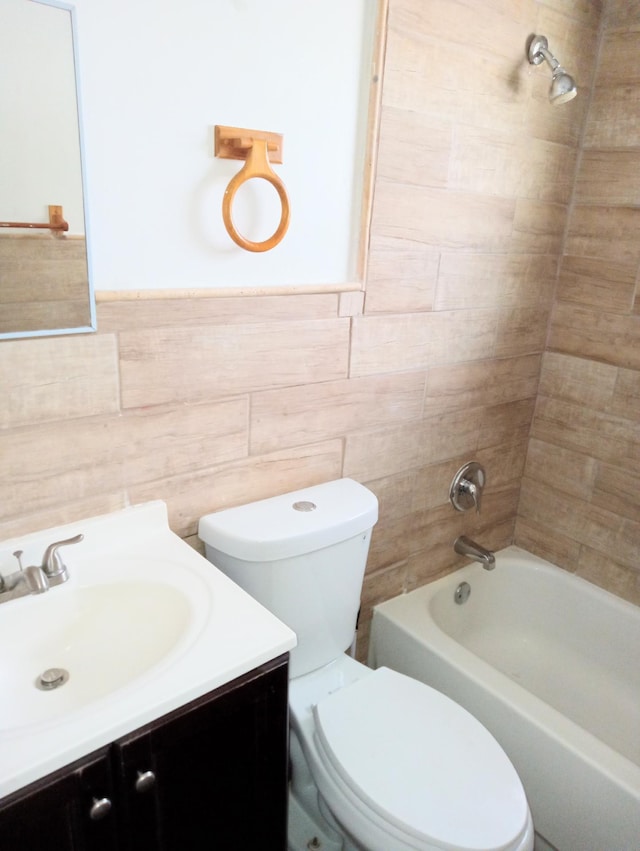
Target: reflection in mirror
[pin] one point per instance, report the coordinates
(44, 271)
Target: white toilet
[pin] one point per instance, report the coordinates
(380, 762)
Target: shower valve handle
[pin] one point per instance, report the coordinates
(473, 491)
(467, 486)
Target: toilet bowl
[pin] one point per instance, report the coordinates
(380, 762)
(402, 767)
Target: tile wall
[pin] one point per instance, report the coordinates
(580, 502)
(209, 402)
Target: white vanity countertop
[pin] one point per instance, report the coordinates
(227, 634)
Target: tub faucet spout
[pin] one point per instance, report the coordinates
(466, 547)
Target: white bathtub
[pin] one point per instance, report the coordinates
(551, 666)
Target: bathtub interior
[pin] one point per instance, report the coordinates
(584, 794)
(564, 641)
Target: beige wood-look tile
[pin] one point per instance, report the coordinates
(602, 570)
(547, 122)
(61, 512)
(500, 535)
(538, 227)
(562, 469)
(618, 490)
(521, 331)
(224, 360)
(58, 378)
(191, 496)
(313, 412)
(497, 24)
(574, 44)
(168, 441)
(494, 162)
(394, 494)
(145, 313)
(626, 395)
(381, 585)
(504, 423)
(413, 148)
(485, 160)
(494, 280)
(390, 542)
(609, 177)
(431, 563)
(607, 337)
(405, 89)
(587, 12)
(619, 59)
(612, 120)
(573, 379)
(351, 304)
(597, 283)
(609, 233)
(375, 454)
(436, 217)
(437, 527)
(440, 79)
(415, 341)
(432, 483)
(51, 464)
(546, 542)
(596, 433)
(504, 464)
(545, 507)
(622, 14)
(401, 276)
(499, 509)
(479, 383)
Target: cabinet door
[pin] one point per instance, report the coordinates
(220, 766)
(66, 811)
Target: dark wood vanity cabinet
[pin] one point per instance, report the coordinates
(210, 775)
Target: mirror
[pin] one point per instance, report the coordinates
(45, 285)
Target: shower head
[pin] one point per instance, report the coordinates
(563, 86)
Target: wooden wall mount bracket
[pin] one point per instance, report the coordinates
(257, 148)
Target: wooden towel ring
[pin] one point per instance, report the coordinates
(256, 165)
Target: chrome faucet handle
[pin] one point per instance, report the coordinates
(466, 488)
(470, 488)
(52, 565)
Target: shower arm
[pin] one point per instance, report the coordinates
(551, 59)
(539, 51)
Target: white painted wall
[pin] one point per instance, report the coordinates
(156, 76)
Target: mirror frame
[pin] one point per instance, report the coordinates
(92, 326)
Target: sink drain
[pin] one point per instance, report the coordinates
(52, 678)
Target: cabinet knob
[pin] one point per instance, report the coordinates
(146, 780)
(100, 808)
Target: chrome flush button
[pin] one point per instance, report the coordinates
(303, 505)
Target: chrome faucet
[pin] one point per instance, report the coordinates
(52, 564)
(466, 547)
(31, 580)
(37, 579)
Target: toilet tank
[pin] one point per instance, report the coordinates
(302, 555)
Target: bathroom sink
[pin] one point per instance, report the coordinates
(143, 625)
(100, 637)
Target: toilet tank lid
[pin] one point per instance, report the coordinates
(292, 523)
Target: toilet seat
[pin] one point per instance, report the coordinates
(420, 763)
